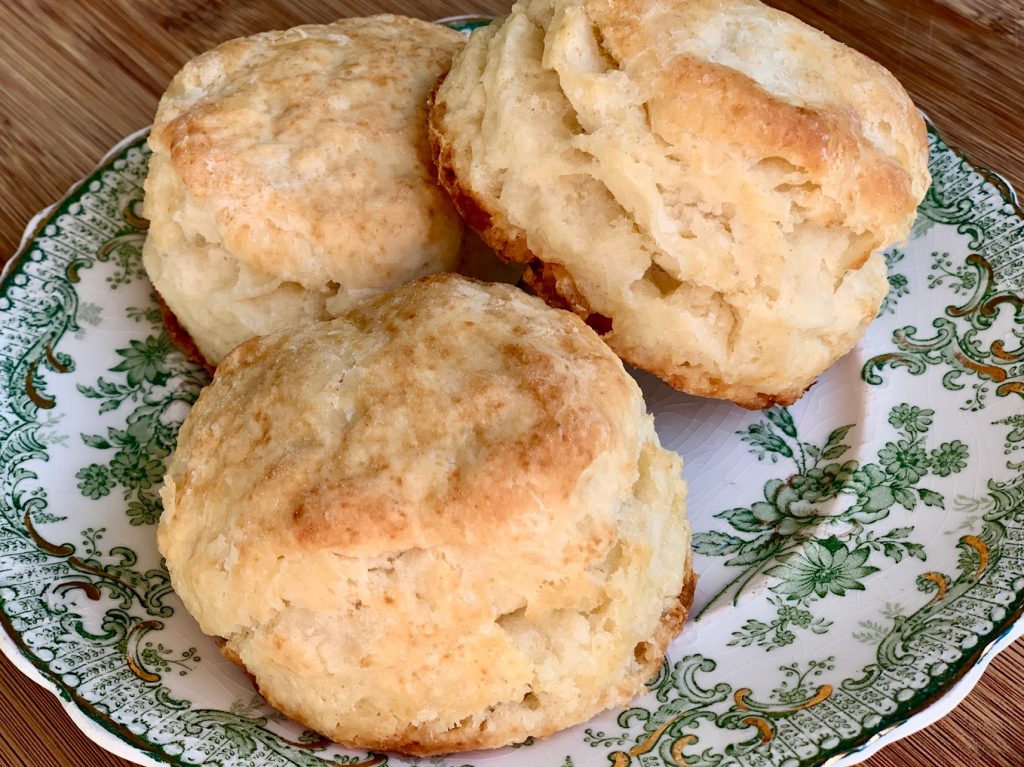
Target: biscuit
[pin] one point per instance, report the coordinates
(710, 183)
(442, 521)
(291, 177)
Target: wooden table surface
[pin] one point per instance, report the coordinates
(77, 77)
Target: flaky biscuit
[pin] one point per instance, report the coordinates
(442, 521)
(290, 177)
(710, 183)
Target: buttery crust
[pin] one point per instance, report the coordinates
(414, 741)
(715, 181)
(441, 521)
(291, 177)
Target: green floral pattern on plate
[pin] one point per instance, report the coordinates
(868, 542)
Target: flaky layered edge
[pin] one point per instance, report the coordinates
(554, 283)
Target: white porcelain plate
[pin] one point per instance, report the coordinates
(861, 553)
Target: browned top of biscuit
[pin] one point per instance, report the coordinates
(306, 143)
(459, 410)
(814, 123)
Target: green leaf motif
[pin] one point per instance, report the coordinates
(834, 452)
(765, 441)
(163, 659)
(715, 544)
(785, 536)
(916, 550)
(783, 420)
(838, 435)
(754, 551)
(904, 497)
(743, 519)
(95, 440)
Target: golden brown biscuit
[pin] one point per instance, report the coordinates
(442, 521)
(291, 177)
(709, 182)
